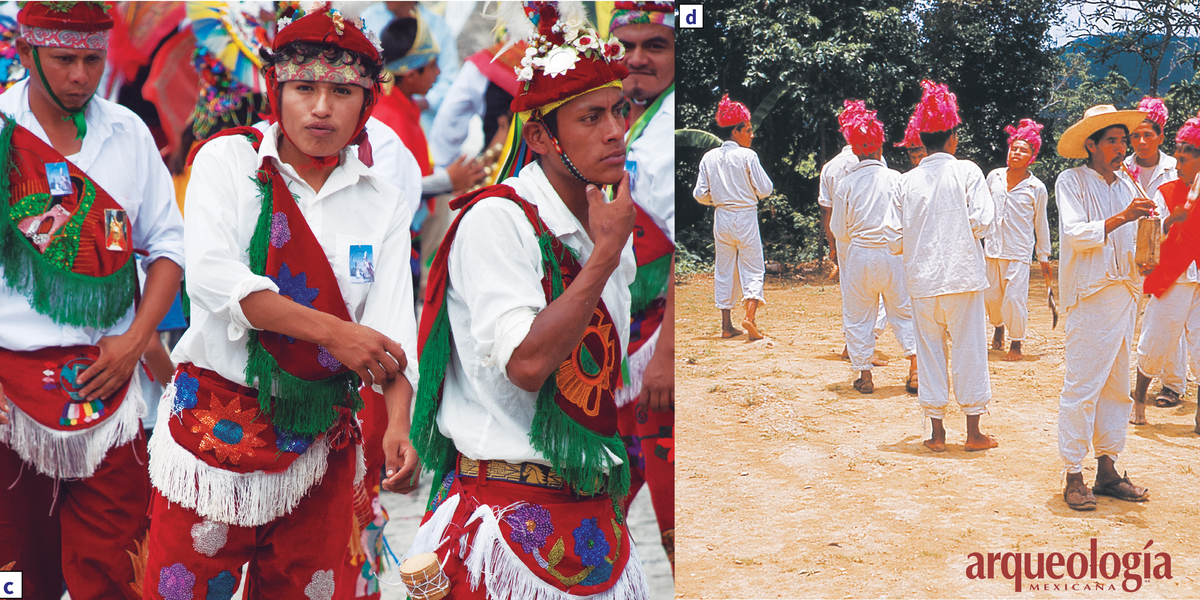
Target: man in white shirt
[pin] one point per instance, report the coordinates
(524, 328)
(861, 206)
(300, 292)
(1100, 284)
(732, 180)
(1152, 167)
(942, 209)
(73, 481)
(1020, 199)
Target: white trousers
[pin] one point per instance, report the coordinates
(868, 274)
(881, 321)
(958, 319)
(1007, 296)
(737, 243)
(1095, 404)
(1171, 331)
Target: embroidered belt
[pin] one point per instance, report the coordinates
(526, 473)
(42, 383)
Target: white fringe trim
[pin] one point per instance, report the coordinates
(245, 499)
(637, 367)
(491, 560)
(73, 454)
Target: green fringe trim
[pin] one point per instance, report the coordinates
(68, 298)
(650, 283)
(436, 450)
(579, 454)
(305, 407)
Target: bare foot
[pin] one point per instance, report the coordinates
(975, 444)
(1013, 356)
(753, 329)
(730, 333)
(1139, 415)
(998, 339)
(878, 362)
(935, 445)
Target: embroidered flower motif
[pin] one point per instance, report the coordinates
(339, 24)
(295, 287)
(530, 527)
(600, 573)
(321, 586)
(613, 49)
(222, 586)
(327, 360)
(560, 60)
(290, 441)
(228, 430)
(185, 392)
(280, 233)
(633, 447)
(208, 537)
(666, 449)
(176, 582)
(590, 544)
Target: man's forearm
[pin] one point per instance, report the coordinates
(558, 328)
(397, 397)
(269, 311)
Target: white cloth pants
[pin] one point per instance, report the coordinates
(882, 320)
(1007, 296)
(737, 242)
(867, 275)
(1095, 404)
(1171, 331)
(958, 319)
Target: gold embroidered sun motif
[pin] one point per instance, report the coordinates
(585, 375)
(229, 430)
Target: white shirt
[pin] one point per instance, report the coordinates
(654, 154)
(465, 98)
(1090, 260)
(942, 209)
(1151, 178)
(833, 172)
(354, 207)
(119, 154)
(1160, 204)
(1020, 214)
(732, 178)
(862, 203)
(494, 293)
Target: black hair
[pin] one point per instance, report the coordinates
(398, 38)
(1155, 125)
(497, 101)
(550, 122)
(1097, 136)
(1188, 149)
(935, 141)
(726, 133)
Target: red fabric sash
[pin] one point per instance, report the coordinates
(1182, 246)
(649, 245)
(42, 384)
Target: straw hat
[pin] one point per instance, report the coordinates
(1096, 118)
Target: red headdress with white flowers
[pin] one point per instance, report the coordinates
(1028, 131)
(730, 113)
(1190, 132)
(912, 135)
(1155, 110)
(862, 129)
(938, 110)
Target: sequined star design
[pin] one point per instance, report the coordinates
(229, 430)
(294, 287)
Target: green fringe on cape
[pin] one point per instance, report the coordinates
(650, 283)
(302, 406)
(68, 298)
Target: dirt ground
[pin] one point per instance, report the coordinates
(792, 484)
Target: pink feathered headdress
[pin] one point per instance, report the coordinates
(1028, 131)
(938, 110)
(912, 135)
(1155, 110)
(731, 113)
(1190, 132)
(862, 130)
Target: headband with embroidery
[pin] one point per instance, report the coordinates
(862, 130)
(730, 113)
(1028, 131)
(1155, 110)
(635, 13)
(938, 110)
(75, 25)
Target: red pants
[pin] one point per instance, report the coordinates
(650, 443)
(298, 555)
(360, 562)
(90, 536)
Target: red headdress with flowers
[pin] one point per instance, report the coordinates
(938, 110)
(1190, 132)
(730, 113)
(1155, 110)
(1028, 131)
(862, 129)
(912, 135)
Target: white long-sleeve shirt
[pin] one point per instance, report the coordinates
(941, 210)
(119, 154)
(654, 154)
(1022, 227)
(1090, 260)
(494, 294)
(465, 98)
(862, 203)
(732, 178)
(833, 172)
(354, 207)
(1151, 178)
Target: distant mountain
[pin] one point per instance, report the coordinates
(1130, 66)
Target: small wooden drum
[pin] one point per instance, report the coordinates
(423, 577)
(1149, 241)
